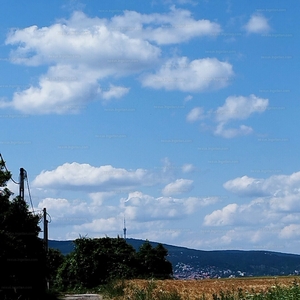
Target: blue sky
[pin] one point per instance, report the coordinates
(178, 115)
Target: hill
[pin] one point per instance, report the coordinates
(190, 263)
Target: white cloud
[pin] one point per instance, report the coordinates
(115, 92)
(77, 176)
(257, 24)
(222, 216)
(234, 108)
(102, 226)
(188, 168)
(180, 186)
(143, 208)
(188, 98)
(272, 216)
(255, 213)
(193, 203)
(277, 186)
(64, 211)
(190, 76)
(82, 41)
(100, 197)
(245, 186)
(290, 231)
(101, 216)
(197, 113)
(63, 90)
(240, 108)
(82, 52)
(232, 132)
(174, 27)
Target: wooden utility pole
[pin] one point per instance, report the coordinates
(22, 178)
(45, 229)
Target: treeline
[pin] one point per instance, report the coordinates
(98, 261)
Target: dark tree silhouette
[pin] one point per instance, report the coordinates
(22, 255)
(153, 262)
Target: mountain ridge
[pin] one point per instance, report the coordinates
(198, 264)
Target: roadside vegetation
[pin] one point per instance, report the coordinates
(231, 289)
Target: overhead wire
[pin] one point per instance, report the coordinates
(4, 165)
(29, 194)
(26, 177)
(28, 187)
(50, 218)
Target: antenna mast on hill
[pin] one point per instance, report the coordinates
(124, 229)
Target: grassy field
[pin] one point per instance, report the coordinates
(211, 289)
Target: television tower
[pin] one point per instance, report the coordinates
(124, 229)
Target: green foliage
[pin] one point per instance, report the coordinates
(55, 260)
(113, 289)
(97, 261)
(149, 292)
(22, 255)
(153, 262)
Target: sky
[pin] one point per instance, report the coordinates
(178, 116)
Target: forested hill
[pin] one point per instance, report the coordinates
(189, 263)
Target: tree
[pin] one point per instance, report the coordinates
(96, 261)
(55, 260)
(22, 255)
(153, 262)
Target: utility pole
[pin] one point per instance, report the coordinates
(46, 240)
(22, 178)
(45, 229)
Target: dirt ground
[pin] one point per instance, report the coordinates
(82, 297)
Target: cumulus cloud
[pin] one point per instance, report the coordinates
(174, 27)
(141, 207)
(232, 132)
(179, 186)
(257, 212)
(197, 113)
(190, 76)
(257, 24)
(246, 186)
(82, 53)
(63, 90)
(273, 215)
(81, 41)
(77, 176)
(222, 216)
(290, 231)
(276, 185)
(240, 108)
(234, 108)
(103, 226)
(64, 211)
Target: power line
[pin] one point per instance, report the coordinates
(21, 179)
(26, 177)
(4, 165)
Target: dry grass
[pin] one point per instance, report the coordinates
(195, 289)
